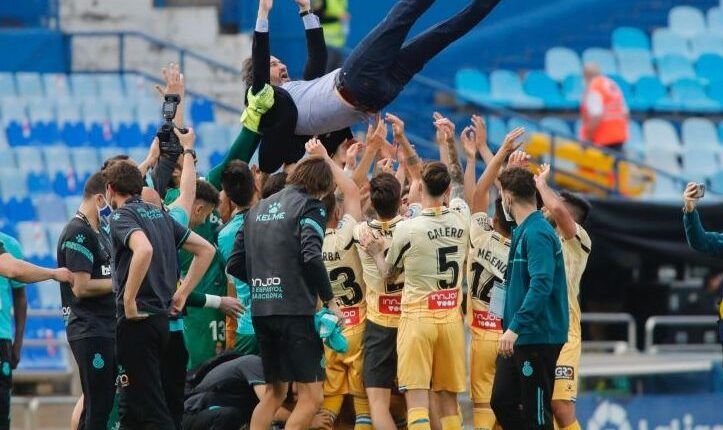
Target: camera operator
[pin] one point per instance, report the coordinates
(706, 242)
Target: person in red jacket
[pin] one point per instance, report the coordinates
(603, 110)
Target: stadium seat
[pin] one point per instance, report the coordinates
(700, 164)
(39, 183)
(43, 359)
(556, 125)
(515, 122)
(201, 111)
(107, 152)
(629, 38)
(635, 145)
(121, 112)
(667, 188)
(715, 90)
(49, 208)
(539, 84)
(648, 92)
(691, 96)
(709, 67)
(67, 184)
(7, 84)
(57, 159)
(22, 208)
(706, 43)
(29, 84)
(699, 133)
(29, 159)
(50, 327)
(674, 67)
(84, 85)
(496, 131)
(129, 135)
(686, 21)
(72, 203)
(561, 63)
(45, 133)
(12, 184)
(715, 20)
(572, 88)
(18, 134)
(33, 239)
(109, 85)
(473, 84)
(506, 89)
(74, 135)
(85, 160)
(56, 85)
(55, 229)
(68, 111)
(135, 85)
(603, 58)
(716, 182)
(148, 112)
(40, 110)
(660, 134)
(101, 135)
(13, 109)
(213, 136)
(94, 111)
(667, 42)
(665, 159)
(634, 64)
(7, 160)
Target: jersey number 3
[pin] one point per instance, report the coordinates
(352, 290)
(444, 265)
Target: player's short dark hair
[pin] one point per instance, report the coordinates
(206, 192)
(520, 183)
(314, 176)
(274, 184)
(436, 178)
(500, 220)
(580, 207)
(111, 160)
(237, 181)
(330, 202)
(124, 177)
(94, 185)
(385, 193)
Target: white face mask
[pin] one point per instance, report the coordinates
(506, 211)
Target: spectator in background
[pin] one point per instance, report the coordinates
(603, 110)
(334, 17)
(701, 240)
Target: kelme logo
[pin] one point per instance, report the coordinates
(98, 362)
(273, 214)
(527, 369)
(274, 208)
(80, 238)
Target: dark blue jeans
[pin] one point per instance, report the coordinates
(382, 64)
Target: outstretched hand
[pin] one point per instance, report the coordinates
(469, 142)
(480, 131)
(314, 147)
(513, 141)
(397, 124)
(304, 5)
(445, 127)
(265, 7)
(175, 83)
(543, 174)
(519, 159)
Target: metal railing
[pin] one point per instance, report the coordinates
(616, 346)
(655, 322)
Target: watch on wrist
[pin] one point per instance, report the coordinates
(190, 152)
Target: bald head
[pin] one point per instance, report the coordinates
(590, 72)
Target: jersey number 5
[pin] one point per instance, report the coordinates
(444, 265)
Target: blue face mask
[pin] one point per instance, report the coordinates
(104, 212)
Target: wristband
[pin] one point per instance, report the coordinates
(213, 302)
(304, 13)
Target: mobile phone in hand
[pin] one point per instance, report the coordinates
(699, 191)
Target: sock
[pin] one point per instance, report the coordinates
(418, 419)
(332, 404)
(451, 422)
(484, 418)
(573, 426)
(363, 415)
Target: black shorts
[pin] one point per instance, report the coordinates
(218, 418)
(291, 350)
(380, 356)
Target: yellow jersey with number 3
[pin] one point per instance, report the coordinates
(345, 273)
(383, 300)
(431, 249)
(486, 264)
(575, 252)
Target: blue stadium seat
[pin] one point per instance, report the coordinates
(129, 135)
(22, 208)
(691, 95)
(72, 203)
(201, 111)
(672, 68)
(7, 160)
(686, 21)
(148, 112)
(55, 229)
(39, 183)
(13, 109)
(660, 134)
(699, 164)
(716, 182)
(109, 85)
(706, 43)
(665, 159)
(43, 359)
(48, 291)
(561, 63)
(84, 85)
(45, 133)
(121, 112)
(715, 20)
(556, 125)
(136, 85)
(648, 92)
(29, 84)
(101, 135)
(33, 238)
(68, 111)
(603, 58)
(572, 88)
(666, 188)
(506, 89)
(517, 121)
(699, 133)
(635, 145)
(29, 159)
(709, 67)
(49, 208)
(539, 84)
(629, 38)
(715, 90)
(41, 110)
(149, 133)
(57, 159)
(74, 134)
(667, 42)
(473, 84)
(45, 328)
(635, 64)
(67, 184)
(56, 85)
(18, 134)
(496, 131)
(31, 293)
(213, 136)
(95, 111)
(7, 84)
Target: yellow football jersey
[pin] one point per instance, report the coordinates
(575, 252)
(486, 264)
(431, 249)
(345, 272)
(384, 301)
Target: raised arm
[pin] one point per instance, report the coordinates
(455, 168)
(414, 166)
(376, 135)
(317, 55)
(175, 84)
(349, 189)
(261, 49)
(480, 134)
(470, 151)
(480, 201)
(708, 243)
(555, 206)
(440, 137)
(187, 196)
